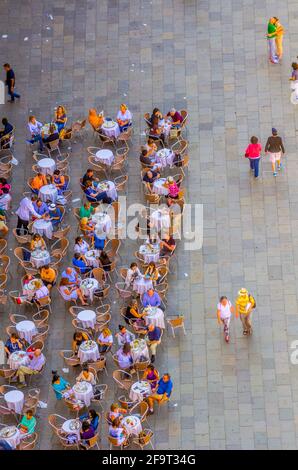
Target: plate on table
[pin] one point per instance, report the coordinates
(8, 431)
(74, 425)
(81, 387)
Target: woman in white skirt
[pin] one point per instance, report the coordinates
(224, 313)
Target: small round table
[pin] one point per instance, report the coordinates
(91, 259)
(18, 359)
(149, 254)
(142, 285)
(46, 128)
(132, 424)
(159, 188)
(160, 220)
(11, 435)
(140, 390)
(88, 286)
(111, 129)
(48, 192)
(15, 400)
(110, 188)
(72, 426)
(139, 349)
(87, 318)
(40, 258)
(88, 352)
(26, 329)
(105, 156)
(47, 166)
(155, 316)
(165, 157)
(83, 391)
(103, 221)
(43, 227)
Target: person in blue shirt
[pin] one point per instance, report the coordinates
(92, 417)
(96, 195)
(55, 215)
(151, 299)
(163, 392)
(78, 262)
(59, 385)
(71, 275)
(41, 207)
(13, 344)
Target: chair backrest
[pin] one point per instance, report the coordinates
(100, 364)
(93, 441)
(29, 442)
(54, 144)
(176, 322)
(56, 421)
(113, 441)
(98, 274)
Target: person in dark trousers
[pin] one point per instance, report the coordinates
(10, 82)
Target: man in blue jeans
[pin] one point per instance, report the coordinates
(10, 82)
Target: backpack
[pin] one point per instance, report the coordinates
(252, 300)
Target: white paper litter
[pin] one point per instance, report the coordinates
(65, 370)
(26, 39)
(4, 36)
(42, 404)
(76, 200)
(14, 161)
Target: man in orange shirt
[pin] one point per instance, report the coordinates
(38, 181)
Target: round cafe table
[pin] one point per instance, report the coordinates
(18, 359)
(29, 289)
(165, 157)
(43, 227)
(139, 349)
(90, 354)
(105, 156)
(159, 188)
(40, 258)
(110, 188)
(111, 129)
(90, 258)
(149, 255)
(142, 285)
(140, 390)
(103, 221)
(48, 192)
(47, 166)
(88, 286)
(26, 329)
(72, 426)
(87, 318)
(154, 316)
(15, 400)
(161, 220)
(83, 395)
(13, 438)
(45, 130)
(166, 126)
(132, 424)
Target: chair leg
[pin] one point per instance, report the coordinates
(173, 332)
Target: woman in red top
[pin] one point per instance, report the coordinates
(253, 152)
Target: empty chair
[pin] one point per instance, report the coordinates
(69, 358)
(176, 322)
(123, 379)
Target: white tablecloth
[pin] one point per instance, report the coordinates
(148, 255)
(26, 329)
(142, 285)
(47, 166)
(86, 395)
(48, 192)
(140, 390)
(67, 429)
(13, 440)
(166, 126)
(158, 187)
(46, 128)
(87, 318)
(91, 354)
(40, 258)
(15, 400)
(105, 156)
(29, 289)
(90, 257)
(132, 424)
(160, 219)
(109, 187)
(155, 316)
(113, 131)
(103, 221)
(43, 227)
(17, 359)
(165, 157)
(88, 286)
(139, 348)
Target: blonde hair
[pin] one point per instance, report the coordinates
(106, 332)
(62, 107)
(123, 105)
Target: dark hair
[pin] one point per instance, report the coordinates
(133, 265)
(3, 180)
(89, 170)
(144, 153)
(155, 120)
(93, 413)
(78, 239)
(4, 121)
(6, 65)
(254, 140)
(120, 327)
(46, 266)
(57, 172)
(104, 255)
(85, 426)
(155, 110)
(116, 422)
(151, 367)
(85, 367)
(126, 348)
(294, 66)
(29, 412)
(223, 297)
(77, 255)
(14, 336)
(55, 377)
(77, 333)
(5, 190)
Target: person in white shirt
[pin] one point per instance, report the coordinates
(5, 199)
(81, 246)
(105, 340)
(124, 336)
(23, 212)
(34, 128)
(224, 314)
(124, 117)
(132, 273)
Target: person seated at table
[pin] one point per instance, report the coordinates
(59, 385)
(176, 117)
(41, 208)
(71, 275)
(26, 280)
(100, 237)
(124, 336)
(60, 118)
(132, 314)
(89, 176)
(5, 200)
(86, 210)
(116, 412)
(167, 246)
(5, 131)
(92, 418)
(70, 291)
(78, 262)
(41, 291)
(151, 299)
(87, 227)
(151, 146)
(28, 423)
(48, 276)
(149, 177)
(86, 433)
(132, 274)
(145, 157)
(105, 340)
(105, 261)
(34, 128)
(55, 215)
(86, 375)
(52, 137)
(95, 120)
(78, 338)
(96, 195)
(59, 181)
(38, 182)
(156, 132)
(152, 376)
(125, 358)
(173, 188)
(163, 392)
(36, 363)
(152, 272)
(154, 339)
(156, 113)
(4, 184)
(37, 242)
(144, 223)
(81, 246)
(124, 117)
(13, 344)
(118, 432)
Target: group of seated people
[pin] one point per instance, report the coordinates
(93, 193)
(5, 200)
(57, 179)
(56, 127)
(124, 118)
(157, 123)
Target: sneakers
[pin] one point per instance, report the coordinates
(227, 338)
(275, 174)
(279, 167)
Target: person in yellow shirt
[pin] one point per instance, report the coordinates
(48, 276)
(38, 181)
(244, 305)
(279, 38)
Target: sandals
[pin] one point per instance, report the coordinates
(245, 332)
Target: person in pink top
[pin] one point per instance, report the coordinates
(173, 188)
(253, 152)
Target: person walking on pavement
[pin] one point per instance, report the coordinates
(271, 35)
(274, 146)
(279, 38)
(224, 313)
(10, 82)
(253, 153)
(245, 303)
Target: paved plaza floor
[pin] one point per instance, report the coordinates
(209, 57)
